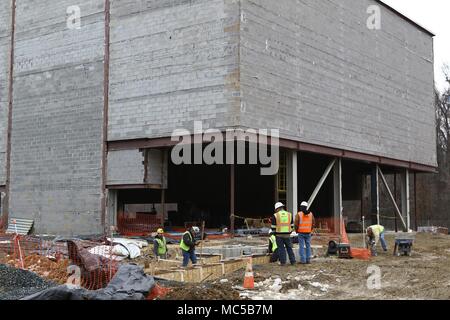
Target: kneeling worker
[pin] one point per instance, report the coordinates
(188, 244)
(283, 225)
(273, 248)
(375, 233)
(160, 245)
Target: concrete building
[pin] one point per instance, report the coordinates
(86, 114)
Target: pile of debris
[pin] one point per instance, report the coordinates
(205, 291)
(16, 283)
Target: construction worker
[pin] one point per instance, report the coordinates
(282, 226)
(188, 244)
(304, 224)
(375, 233)
(273, 248)
(160, 245)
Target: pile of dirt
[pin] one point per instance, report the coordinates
(55, 271)
(16, 283)
(202, 292)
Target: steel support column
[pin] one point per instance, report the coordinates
(337, 192)
(406, 210)
(375, 195)
(232, 197)
(292, 182)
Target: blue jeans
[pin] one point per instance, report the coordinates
(189, 255)
(383, 241)
(285, 244)
(304, 239)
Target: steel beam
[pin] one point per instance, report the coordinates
(284, 143)
(105, 114)
(5, 216)
(399, 213)
(321, 182)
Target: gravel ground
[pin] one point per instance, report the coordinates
(16, 284)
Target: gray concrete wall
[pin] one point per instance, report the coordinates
(57, 117)
(126, 167)
(314, 70)
(173, 62)
(5, 39)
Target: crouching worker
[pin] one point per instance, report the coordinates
(375, 233)
(187, 246)
(273, 248)
(160, 245)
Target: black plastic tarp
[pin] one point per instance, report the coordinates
(129, 283)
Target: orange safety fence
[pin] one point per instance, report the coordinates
(360, 253)
(138, 224)
(60, 262)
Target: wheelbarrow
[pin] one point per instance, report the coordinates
(403, 244)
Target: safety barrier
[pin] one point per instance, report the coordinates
(86, 264)
(138, 224)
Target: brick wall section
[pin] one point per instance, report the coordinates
(172, 63)
(57, 118)
(314, 69)
(5, 40)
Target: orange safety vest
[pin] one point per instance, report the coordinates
(305, 223)
(284, 222)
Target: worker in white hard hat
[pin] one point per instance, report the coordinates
(188, 244)
(304, 224)
(160, 245)
(282, 226)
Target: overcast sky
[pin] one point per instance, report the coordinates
(434, 15)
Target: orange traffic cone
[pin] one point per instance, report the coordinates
(249, 280)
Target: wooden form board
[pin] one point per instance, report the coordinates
(210, 271)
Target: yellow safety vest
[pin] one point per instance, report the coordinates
(183, 245)
(162, 248)
(273, 241)
(284, 222)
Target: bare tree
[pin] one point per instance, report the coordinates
(442, 102)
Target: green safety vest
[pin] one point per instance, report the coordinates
(162, 248)
(183, 245)
(284, 222)
(273, 240)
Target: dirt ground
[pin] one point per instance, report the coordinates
(424, 275)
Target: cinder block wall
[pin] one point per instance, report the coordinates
(57, 118)
(172, 63)
(314, 70)
(5, 44)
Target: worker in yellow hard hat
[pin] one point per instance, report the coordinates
(160, 244)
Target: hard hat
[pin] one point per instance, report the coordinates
(196, 229)
(304, 204)
(279, 205)
(160, 231)
(270, 232)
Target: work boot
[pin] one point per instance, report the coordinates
(308, 262)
